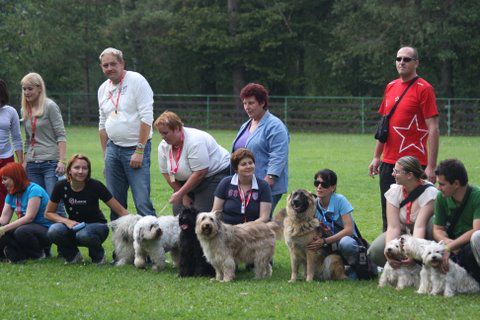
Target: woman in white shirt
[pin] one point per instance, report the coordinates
(404, 216)
(191, 161)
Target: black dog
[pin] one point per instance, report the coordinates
(192, 261)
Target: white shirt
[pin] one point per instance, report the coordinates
(395, 196)
(199, 151)
(135, 105)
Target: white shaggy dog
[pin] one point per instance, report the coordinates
(154, 237)
(122, 238)
(435, 282)
(405, 276)
(226, 245)
(414, 247)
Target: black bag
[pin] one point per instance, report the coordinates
(365, 268)
(381, 133)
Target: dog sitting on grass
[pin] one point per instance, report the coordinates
(404, 276)
(192, 262)
(227, 245)
(122, 238)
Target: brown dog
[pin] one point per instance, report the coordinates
(300, 228)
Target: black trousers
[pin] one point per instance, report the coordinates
(466, 259)
(386, 179)
(25, 242)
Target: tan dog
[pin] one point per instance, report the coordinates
(300, 228)
(226, 245)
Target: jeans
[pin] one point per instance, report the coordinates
(43, 174)
(28, 241)
(120, 176)
(348, 248)
(68, 241)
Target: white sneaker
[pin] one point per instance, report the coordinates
(77, 259)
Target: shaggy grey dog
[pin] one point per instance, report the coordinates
(122, 238)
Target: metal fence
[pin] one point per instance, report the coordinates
(458, 116)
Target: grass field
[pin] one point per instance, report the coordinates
(49, 290)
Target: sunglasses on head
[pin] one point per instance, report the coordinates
(405, 59)
(324, 184)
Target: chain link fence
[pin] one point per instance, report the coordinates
(458, 116)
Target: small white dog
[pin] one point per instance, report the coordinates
(154, 237)
(414, 247)
(405, 276)
(122, 238)
(435, 282)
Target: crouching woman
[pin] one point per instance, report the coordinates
(26, 237)
(86, 225)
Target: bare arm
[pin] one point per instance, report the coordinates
(62, 151)
(218, 204)
(377, 153)
(190, 184)
(433, 138)
(103, 140)
(116, 207)
(426, 212)
(51, 214)
(137, 157)
(7, 214)
(32, 210)
(265, 209)
(19, 154)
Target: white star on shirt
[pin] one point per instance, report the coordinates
(412, 137)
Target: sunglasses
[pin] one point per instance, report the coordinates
(395, 171)
(324, 184)
(405, 59)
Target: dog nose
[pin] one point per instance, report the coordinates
(296, 202)
(389, 250)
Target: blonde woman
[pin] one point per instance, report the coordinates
(45, 141)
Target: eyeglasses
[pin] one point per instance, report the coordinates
(324, 184)
(395, 171)
(405, 59)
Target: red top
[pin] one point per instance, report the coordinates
(408, 132)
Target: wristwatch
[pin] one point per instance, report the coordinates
(140, 145)
(271, 176)
(325, 244)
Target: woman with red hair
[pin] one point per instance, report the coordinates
(26, 237)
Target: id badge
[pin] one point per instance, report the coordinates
(172, 177)
(242, 210)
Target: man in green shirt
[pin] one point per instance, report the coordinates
(457, 217)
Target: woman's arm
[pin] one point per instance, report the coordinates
(32, 210)
(393, 223)
(51, 214)
(192, 181)
(424, 215)
(62, 150)
(116, 207)
(265, 209)
(347, 229)
(218, 204)
(7, 214)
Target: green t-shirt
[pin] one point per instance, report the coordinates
(444, 209)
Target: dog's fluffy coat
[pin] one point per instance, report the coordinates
(192, 261)
(435, 282)
(405, 276)
(300, 227)
(227, 245)
(122, 238)
(153, 237)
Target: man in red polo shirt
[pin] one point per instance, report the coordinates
(413, 127)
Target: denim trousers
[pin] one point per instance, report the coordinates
(120, 176)
(68, 241)
(348, 248)
(43, 174)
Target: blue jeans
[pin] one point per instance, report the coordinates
(120, 176)
(68, 241)
(348, 248)
(43, 174)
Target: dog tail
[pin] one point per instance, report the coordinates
(277, 223)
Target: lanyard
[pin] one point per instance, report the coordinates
(115, 103)
(33, 124)
(174, 170)
(324, 218)
(245, 200)
(18, 206)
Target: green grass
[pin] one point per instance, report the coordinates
(50, 290)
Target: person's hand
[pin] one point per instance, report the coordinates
(136, 160)
(187, 201)
(71, 223)
(24, 164)
(316, 243)
(395, 264)
(430, 172)
(2, 231)
(407, 262)
(373, 167)
(60, 169)
(445, 260)
(176, 198)
(269, 180)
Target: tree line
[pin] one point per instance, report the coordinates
(294, 47)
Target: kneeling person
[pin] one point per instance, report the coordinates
(80, 195)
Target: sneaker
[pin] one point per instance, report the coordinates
(77, 259)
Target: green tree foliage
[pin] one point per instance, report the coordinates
(302, 47)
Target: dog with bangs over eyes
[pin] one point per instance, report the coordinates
(227, 245)
(300, 228)
(153, 237)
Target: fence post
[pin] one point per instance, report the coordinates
(285, 109)
(363, 114)
(208, 112)
(449, 119)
